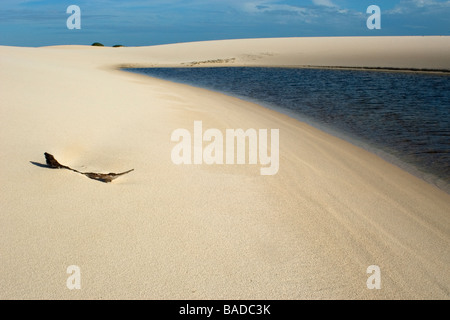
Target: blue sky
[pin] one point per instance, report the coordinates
(151, 22)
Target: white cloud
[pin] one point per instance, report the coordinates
(424, 3)
(325, 3)
(407, 6)
(263, 6)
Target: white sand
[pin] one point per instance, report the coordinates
(204, 232)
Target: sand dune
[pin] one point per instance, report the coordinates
(204, 231)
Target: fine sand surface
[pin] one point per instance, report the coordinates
(204, 231)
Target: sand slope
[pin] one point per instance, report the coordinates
(204, 232)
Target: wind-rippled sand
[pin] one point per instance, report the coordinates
(199, 231)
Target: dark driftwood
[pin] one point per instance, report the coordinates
(103, 177)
